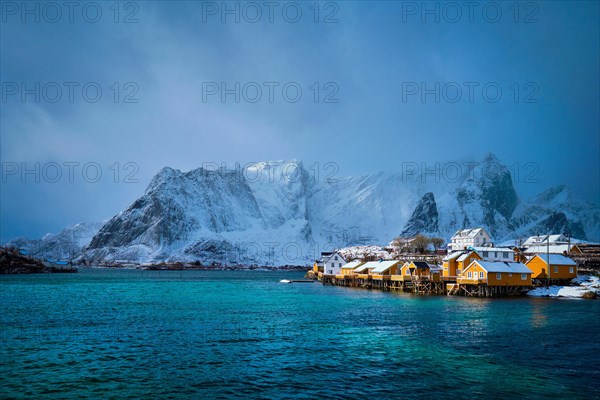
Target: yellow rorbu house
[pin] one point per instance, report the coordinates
(348, 269)
(385, 268)
(455, 263)
(552, 266)
(420, 270)
(495, 273)
(364, 270)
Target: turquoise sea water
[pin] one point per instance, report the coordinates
(232, 334)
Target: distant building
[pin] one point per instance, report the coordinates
(497, 253)
(545, 240)
(319, 265)
(466, 238)
(554, 249)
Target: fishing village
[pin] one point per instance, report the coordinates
(472, 265)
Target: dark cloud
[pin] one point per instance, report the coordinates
(367, 61)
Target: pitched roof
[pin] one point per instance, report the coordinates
(366, 266)
(500, 266)
(452, 256)
(553, 248)
(352, 264)
(499, 249)
(420, 264)
(556, 259)
(326, 259)
(532, 240)
(468, 232)
(382, 266)
(465, 255)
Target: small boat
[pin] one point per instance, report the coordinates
(285, 281)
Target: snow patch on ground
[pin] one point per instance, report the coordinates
(586, 284)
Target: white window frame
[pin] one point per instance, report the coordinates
(480, 274)
(523, 277)
(571, 270)
(556, 269)
(498, 276)
(469, 274)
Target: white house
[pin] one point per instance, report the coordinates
(553, 249)
(544, 239)
(333, 264)
(476, 237)
(496, 253)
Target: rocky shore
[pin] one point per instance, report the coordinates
(13, 262)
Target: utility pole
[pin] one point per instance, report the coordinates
(548, 254)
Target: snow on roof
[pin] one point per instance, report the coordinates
(468, 232)
(435, 268)
(382, 266)
(553, 248)
(365, 266)
(499, 266)
(326, 259)
(556, 259)
(452, 256)
(464, 256)
(545, 238)
(352, 264)
(501, 249)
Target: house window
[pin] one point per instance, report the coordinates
(481, 274)
(571, 270)
(485, 253)
(499, 276)
(407, 272)
(505, 254)
(340, 264)
(469, 274)
(556, 269)
(523, 277)
(335, 258)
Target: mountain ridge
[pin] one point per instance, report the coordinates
(276, 213)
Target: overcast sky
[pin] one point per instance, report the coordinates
(382, 84)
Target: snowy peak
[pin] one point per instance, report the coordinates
(276, 213)
(553, 197)
(65, 245)
(424, 220)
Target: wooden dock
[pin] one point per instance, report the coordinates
(422, 285)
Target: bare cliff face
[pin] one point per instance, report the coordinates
(424, 219)
(276, 213)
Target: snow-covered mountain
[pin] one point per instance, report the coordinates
(65, 245)
(277, 213)
(424, 219)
